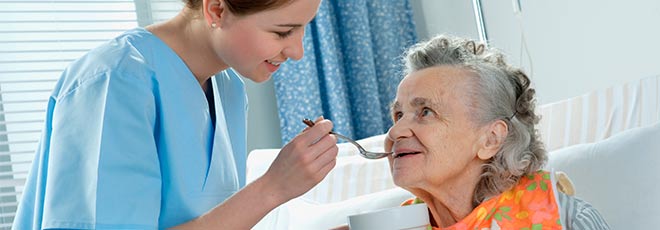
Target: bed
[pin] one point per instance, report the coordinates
(607, 141)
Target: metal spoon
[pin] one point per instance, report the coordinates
(363, 152)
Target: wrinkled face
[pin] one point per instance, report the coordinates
(256, 44)
(434, 139)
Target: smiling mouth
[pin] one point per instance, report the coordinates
(405, 154)
(275, 63)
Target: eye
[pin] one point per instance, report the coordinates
(284, 34)
(426, 112)
(397, 115)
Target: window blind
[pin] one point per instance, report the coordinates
(38, 39)
(155, 11)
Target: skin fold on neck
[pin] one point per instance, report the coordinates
(453, 200)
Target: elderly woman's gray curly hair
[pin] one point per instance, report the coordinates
(500, 92)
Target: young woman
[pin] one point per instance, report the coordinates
(139, 133)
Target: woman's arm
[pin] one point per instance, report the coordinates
(300, 165)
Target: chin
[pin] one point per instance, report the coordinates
(401, 180)
(262, 76)
(258, 77)
(260, 80)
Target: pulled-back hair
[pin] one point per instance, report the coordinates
(498, 91)
(243, 7)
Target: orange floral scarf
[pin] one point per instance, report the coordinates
(529, 205)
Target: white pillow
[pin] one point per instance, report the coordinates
(618, 176)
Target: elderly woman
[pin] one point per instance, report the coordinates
(465, 143)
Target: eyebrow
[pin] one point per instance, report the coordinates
(420, 102)
(417, 102)
(394, 106)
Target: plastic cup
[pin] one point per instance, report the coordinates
(410, 217)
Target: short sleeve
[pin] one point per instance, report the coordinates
(103, 166)
(579, 214)
(589, 218)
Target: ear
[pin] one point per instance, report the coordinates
(213, 11)
(492, 139)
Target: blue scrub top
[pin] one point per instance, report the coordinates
(129, 142)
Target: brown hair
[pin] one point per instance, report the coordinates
(244, 7)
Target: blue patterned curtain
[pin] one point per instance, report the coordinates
(350, 70)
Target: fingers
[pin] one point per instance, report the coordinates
(304, 161)
(327, 167)
(322, 145)
(325, 162)
(313, 134)
(320, 118)
(320, 148)
(327, 149)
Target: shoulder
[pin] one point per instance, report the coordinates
(132, 49)
(122, 57)
(580, 214)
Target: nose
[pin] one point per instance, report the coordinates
(295, 49)
(399, 130)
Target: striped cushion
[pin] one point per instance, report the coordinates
(600, 114)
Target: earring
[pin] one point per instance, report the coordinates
(213, 24)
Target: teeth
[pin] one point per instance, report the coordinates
(274, 62)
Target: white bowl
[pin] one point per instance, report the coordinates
(410, 217)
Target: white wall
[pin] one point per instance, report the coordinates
(575, 47)
(444, 16)
(263, 120)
